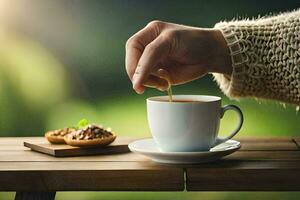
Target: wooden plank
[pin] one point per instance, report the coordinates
(248, 143)
(25, 170)
(264, 165)
(17, 154)
(244, 180)
(263, 139)
(32, 156)
(18, 141)
(269, 146)
(91, 176)
(12, 148)
(232, 165)
(260, 165)
(265, 155)
(75, 165)
(35, 196)
(230, 175)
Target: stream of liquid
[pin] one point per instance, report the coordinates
(169, 91)
(165, 75)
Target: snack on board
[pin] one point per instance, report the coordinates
(89, 136)
(57, 136)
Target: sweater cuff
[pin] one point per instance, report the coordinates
(233, 85)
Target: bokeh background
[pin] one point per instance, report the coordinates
(63, 60)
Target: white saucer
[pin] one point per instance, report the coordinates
(149, 148)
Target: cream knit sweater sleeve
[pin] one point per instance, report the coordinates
(265, 56)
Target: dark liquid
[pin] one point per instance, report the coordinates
(183, 101)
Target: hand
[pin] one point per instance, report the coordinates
(185, 53)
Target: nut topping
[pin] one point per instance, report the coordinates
(90, 132)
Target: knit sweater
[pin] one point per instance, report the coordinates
(265, 55)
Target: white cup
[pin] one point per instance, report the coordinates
(188, 126)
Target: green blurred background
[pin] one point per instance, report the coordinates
(63, 60)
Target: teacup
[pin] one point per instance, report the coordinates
(190, 123)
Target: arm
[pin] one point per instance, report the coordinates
(265, 56)
(248, 58)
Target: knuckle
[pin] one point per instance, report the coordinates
(171, 39)
(130, 42)
(151, 47)
(171, 35)
(155, 24)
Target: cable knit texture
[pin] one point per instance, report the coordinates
(265, 56)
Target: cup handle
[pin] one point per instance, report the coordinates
(239, 126)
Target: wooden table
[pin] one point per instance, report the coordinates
(262, 164)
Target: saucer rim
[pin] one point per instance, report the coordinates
(133, 149)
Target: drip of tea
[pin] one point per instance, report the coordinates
(169, 91)
(165, 75)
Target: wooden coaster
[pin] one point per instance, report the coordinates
(120, 145)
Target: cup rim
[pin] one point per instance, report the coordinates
(198, 99)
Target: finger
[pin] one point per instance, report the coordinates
(137, 43)
(153, 53)
(157, 82)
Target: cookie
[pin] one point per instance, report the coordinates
(57, 136)
(90, 136)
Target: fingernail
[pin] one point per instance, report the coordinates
(138, 90)
(133, 81)
(134, 86)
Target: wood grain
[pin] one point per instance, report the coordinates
(261, 165)
(26, 170)
(278, 179)
(89, 176)
(245, 164)
(269, 146)
(18, 141)
(12, 152)
(262, 139)
(32, 156)
(265, 155)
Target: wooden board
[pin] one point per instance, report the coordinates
(120, 145)
(89, 176)
(268, 146)
(238, 179)
(32, 156)
(26, 170)
(263, 165)
(255, 139)
(265, 155)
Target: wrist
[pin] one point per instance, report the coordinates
(221, 62)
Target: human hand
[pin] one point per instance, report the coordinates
(185, 53)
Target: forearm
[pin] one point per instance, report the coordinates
(265, 58)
